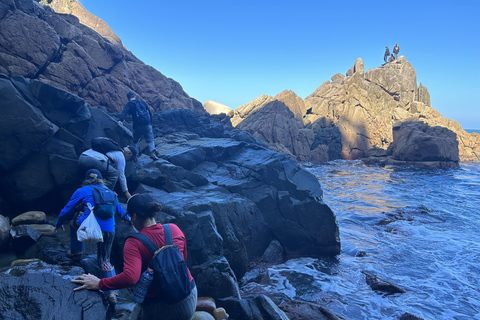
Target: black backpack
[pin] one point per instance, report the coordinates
(104, 145)
(142, 115)
(105, 202)
(171, 279)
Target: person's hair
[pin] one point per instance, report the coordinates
(143, 205)
(92, 180)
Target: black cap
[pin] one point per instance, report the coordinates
(134, 152)
(138, 203)
(130, 95)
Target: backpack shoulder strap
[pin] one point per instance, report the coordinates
(94, 193)
(168, 234)
(145, 240)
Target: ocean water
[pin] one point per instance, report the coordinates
(472, 130)
(431, 249)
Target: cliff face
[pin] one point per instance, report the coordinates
(350, 116)
(60, 49)
(74, 8)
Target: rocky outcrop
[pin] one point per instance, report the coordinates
(274, 122)
(213, 107)
(60, 49)
(350, 116)
(230, 194)
(36, 290)
(418, 142)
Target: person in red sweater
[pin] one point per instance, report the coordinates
(142, 210)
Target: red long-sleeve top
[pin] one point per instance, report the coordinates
(136, 258)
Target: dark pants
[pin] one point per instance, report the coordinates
(146, 132)
(104, 250)
(184, 310)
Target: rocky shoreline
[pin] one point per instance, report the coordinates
(233, 196)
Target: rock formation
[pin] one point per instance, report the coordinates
(76, 9)
(213, 107)
(59, 49)
(351, 116)
(36, 290)
(230, 194)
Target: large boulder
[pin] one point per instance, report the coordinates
(45, 130)
(418, 142)
(279, 124)
(36, 290)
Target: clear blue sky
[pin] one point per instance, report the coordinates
(234, 51)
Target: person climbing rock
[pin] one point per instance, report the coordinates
(142, 123)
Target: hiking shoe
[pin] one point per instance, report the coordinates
(112, 298)
(156, 153)
(153, 156)
(77, 256)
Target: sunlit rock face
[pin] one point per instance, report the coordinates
(62, 50)
(349, 116)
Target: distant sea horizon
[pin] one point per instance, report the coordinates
(472, 130)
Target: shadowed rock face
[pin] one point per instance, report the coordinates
(350, 116)
(37, 43)
(230, 194)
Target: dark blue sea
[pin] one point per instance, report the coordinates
(431, 249)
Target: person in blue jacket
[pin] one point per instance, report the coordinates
(77, 210)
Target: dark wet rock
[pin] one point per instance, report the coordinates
(4, 233)
(420, 213)
(378, 284)
(36, 290)
(256, 275)
(273, 254)
(260, 307)
(23, 237)
(409, 316)
(360, 254)
(418, 142)
(215, 278)
(297, 310)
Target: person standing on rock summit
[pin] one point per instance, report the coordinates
(396, 50)
(386, 54)
(142, 122)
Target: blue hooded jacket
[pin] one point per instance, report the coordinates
(83, 196)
